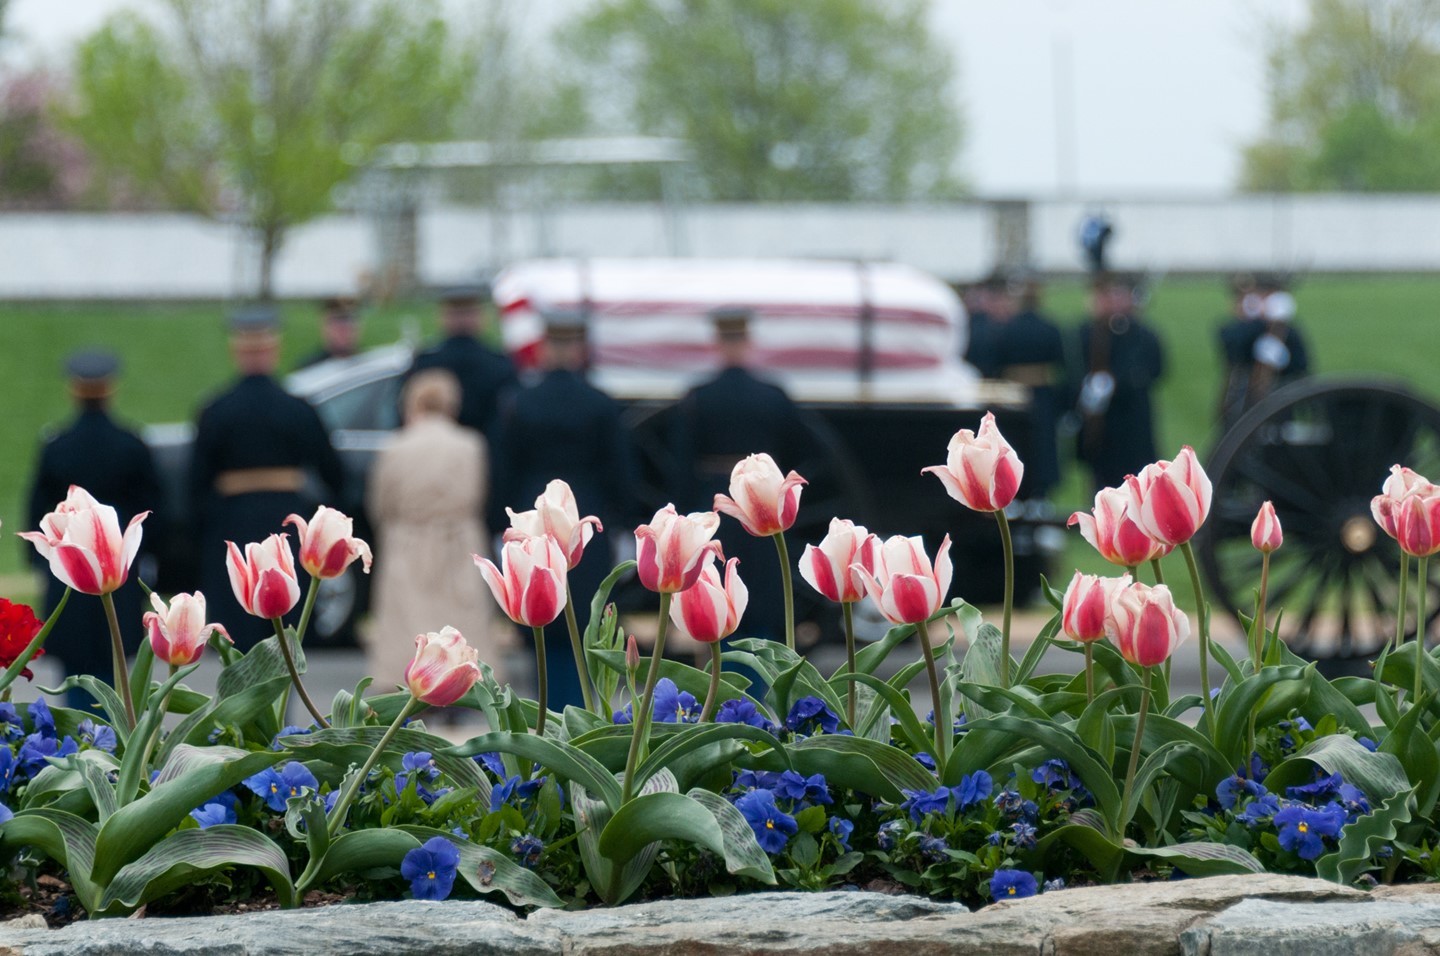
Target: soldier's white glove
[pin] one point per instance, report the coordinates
(1095, 393)
(1272, 352)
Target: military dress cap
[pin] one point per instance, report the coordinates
(1118, 280)
(254, 320)
(92, 372)
(466, 294)
(732, 320)
(338, 308)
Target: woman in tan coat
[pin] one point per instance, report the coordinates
(426, 499)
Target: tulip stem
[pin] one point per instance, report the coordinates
(342, 804)
(1403, 604)
(1009, 549)
(542, 681)
(942, 733)
(708, 711)
(578, 647)
(1089, 673)
(33, 648)
(1422, 579)
(117, 655)
(1257, 626)
(641, 720)
(1204, 616)
(1160, 579)
(295, 674)
(779, 537)
(1139, 738)
(848, 611)
(305, 611)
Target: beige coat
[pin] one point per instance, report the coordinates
(426, 497)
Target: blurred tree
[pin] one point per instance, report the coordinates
(260, 108)
(1354, 100)
(41, 166)
(829, 99)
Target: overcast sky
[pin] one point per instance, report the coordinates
(1093, 97)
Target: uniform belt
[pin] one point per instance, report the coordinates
(1033, 374)
(249, 481)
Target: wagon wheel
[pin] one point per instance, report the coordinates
(1320, 451)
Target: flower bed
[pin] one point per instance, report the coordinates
(677, 781)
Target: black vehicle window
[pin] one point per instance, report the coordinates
(370, 406)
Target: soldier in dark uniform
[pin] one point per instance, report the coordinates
(561, 426)
(1262, 348)
(483, 372)
(718, 423)
(255, 447)
(1029, 350)
(988, 309)
(1122, 359)
(116, 467)
(339, 332)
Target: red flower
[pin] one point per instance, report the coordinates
(18, 627)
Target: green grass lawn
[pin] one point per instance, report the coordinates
(175, 356)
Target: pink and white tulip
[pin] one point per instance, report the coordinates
(904, 585)
(982, 471)
(263, 578)
(443, 669)
(328, 544)
(82, 541)
(1085, 612)
(178, 631)
(1171, 499)
(529, 585)
(1113, 531)
(1147, 625)
(556, 514)
(761, 499)
(1402, 483)
(712, 609)
(670, 551)
(826, 567)
(1417, 523)
(1265, 532)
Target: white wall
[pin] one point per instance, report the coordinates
(173, 256)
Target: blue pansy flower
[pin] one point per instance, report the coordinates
(673, 705)
(1353, 800)
(1011, 885)
(11, 726)
(218, 809)
(523, 791)
(1369, 744)
(330, 800)
(926, 761)
(1009, 801)
(757, 780)
(1303, 829)
(100, 736)
(1025, 835)
(842, 829)
(1323, 786)
(773, 827)
(289, 730)
(501, 792)
(275, 787)
(810, 716)
(7, 768)
(933, 848)
(36, 748)
(42, 721)
(1057, 775)
(492, 762)
(795, 786)
(527, 850)
(972, 789)
(1232, 788)
(1260, 810)
(921, 803)
(431, 869)
(5, 813)
(737, 710)
(889, 834)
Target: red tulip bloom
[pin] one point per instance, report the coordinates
(327, 543)
(529, 585)
(82, 541)
(826, 568)
(1401, 483)
(713, 607)
(1171, 499)
(670, 551)
(761, 499)
(18, 627)
(982, 471)
(443, 669)
(1417, 523)
(904, 585)
(263, 578)
(1085, 611)
(1113, 531)
(1147, 625)
(178, 631)
(557, 514)
(1265, 533)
